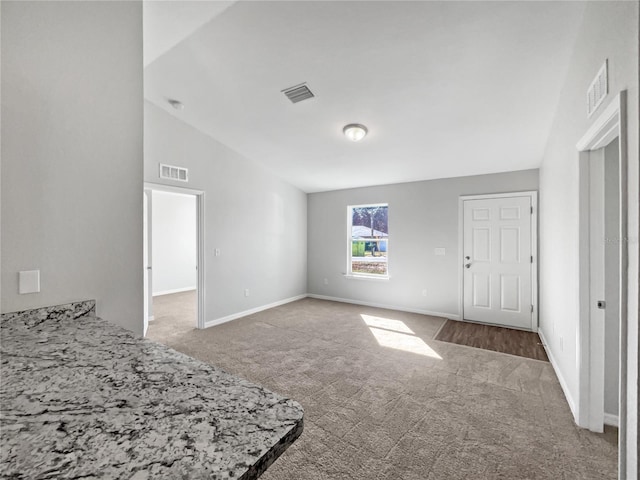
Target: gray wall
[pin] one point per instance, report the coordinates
(174, 242)
(609, 31)
(258, 221)
(422, 217)
(612, 276)
(72, 124)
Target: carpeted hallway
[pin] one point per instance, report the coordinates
(384, 400)
(174, 315)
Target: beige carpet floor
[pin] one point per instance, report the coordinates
(384, 400)
(174, 315)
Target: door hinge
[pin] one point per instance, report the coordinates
(531, 210)
(531, 308)
(531, 258)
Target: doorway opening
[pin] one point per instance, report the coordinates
(602, 334)
(173, 253)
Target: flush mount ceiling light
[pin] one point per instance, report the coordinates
(177, 104)
(355, 132)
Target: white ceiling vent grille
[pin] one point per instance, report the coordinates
(597, 90)
(178, 174)
(298, 93)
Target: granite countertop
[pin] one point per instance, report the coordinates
(80, 397)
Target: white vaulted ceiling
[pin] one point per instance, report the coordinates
(446, 89)
(167, 23)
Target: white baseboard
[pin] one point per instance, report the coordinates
(234, 316)
(611, 419)
(452, 316)
(563, 383)
(251, 311)
(175, 290)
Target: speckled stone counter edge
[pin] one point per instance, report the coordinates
(76, 311)
(73, 310)
(272, 455)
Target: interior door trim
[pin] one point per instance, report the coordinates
(611, 123)
(533, 195)
(200, 236)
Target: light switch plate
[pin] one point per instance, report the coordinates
(440, 251)
(29, 281)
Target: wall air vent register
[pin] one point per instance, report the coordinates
(177, 174)
(597, 90)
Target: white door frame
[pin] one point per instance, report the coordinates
(146, 253)
(199, 194)
(534, 248)
(611, 123)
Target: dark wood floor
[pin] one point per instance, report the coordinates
(498, 339)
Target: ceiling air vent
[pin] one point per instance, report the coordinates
(178, 174)
(597, 90)
(298, 93)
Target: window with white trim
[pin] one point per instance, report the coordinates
(368, 240)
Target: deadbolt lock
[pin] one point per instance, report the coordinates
(602, 304)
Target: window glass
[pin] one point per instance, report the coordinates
(369, 240)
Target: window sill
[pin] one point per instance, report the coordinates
(377, 278)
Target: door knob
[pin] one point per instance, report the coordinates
(467, 265)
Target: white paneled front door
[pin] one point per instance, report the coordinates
(497, 250)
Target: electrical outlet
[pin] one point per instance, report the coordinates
(326, 281)
(217, 252)
(246, 292)
(424, 293)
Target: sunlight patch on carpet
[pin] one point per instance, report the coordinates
(386, 323)
(396, 334)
